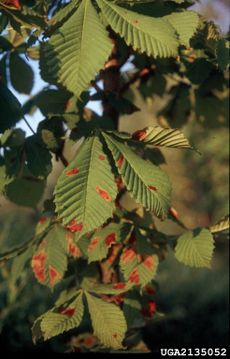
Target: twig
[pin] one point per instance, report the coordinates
(28, 125)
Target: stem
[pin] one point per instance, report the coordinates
(27, 123)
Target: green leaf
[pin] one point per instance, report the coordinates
(10, 108)
(163, 137)
(147, 183)
(154, 36)
(185, 24)
(86, 190)
(138, 270)
(21, 74)
(104, 238)
(221, 225)
(53, 323)
(90, 46)
(195, 248)
(64, 13)
(38, 157)
(108, 321)
(49, 263)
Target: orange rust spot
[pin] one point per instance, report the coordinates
(72, 172)
(134, 276)
(102, 157)
(144, 72)
(120, 161)
(73, 226)
(139, 135)
(38, 265)
(151, 306)
(128, 255)
(72, 247)
(153, 188)
(54, 275)
(68, 311)
(90, 341)
(119, 285)
(119, 182)
(115, 335)
(174, 213)
(13, 4)
(111, 63)
(104, 194)
(93, 244)
(110, 239)
(149, 290)
(42, 219)
(135, 22)
(132, 238)
(149, 262)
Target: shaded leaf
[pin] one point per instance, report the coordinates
(108, 321)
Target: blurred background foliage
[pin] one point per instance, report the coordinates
(193, 302)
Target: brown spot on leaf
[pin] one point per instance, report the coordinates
(101, 157)
(42, 219)
(153, 188)
(119, 285)
(134, 276)
(38, 266)
(93, 243)
(73, 249)
(149, 262)
(151, 306)
(90, 341)
(72, 172)
(104, 194)
(139, 135)
(110, 239)
(128, 255)
(54, 275)
(14, 4)
(149, 290)
(120, 161)
(67, 311)
(119, 182)
(73, 226)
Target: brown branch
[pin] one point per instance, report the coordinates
(139, 75)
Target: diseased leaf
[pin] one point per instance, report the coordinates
(165, 137)
(86, 190)
(137, 269)
(59, 320)
(49, 263)
(195, 249)
(154, 36)
(102, 240)
(147, 183)
(90, 48)
(108, 321)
